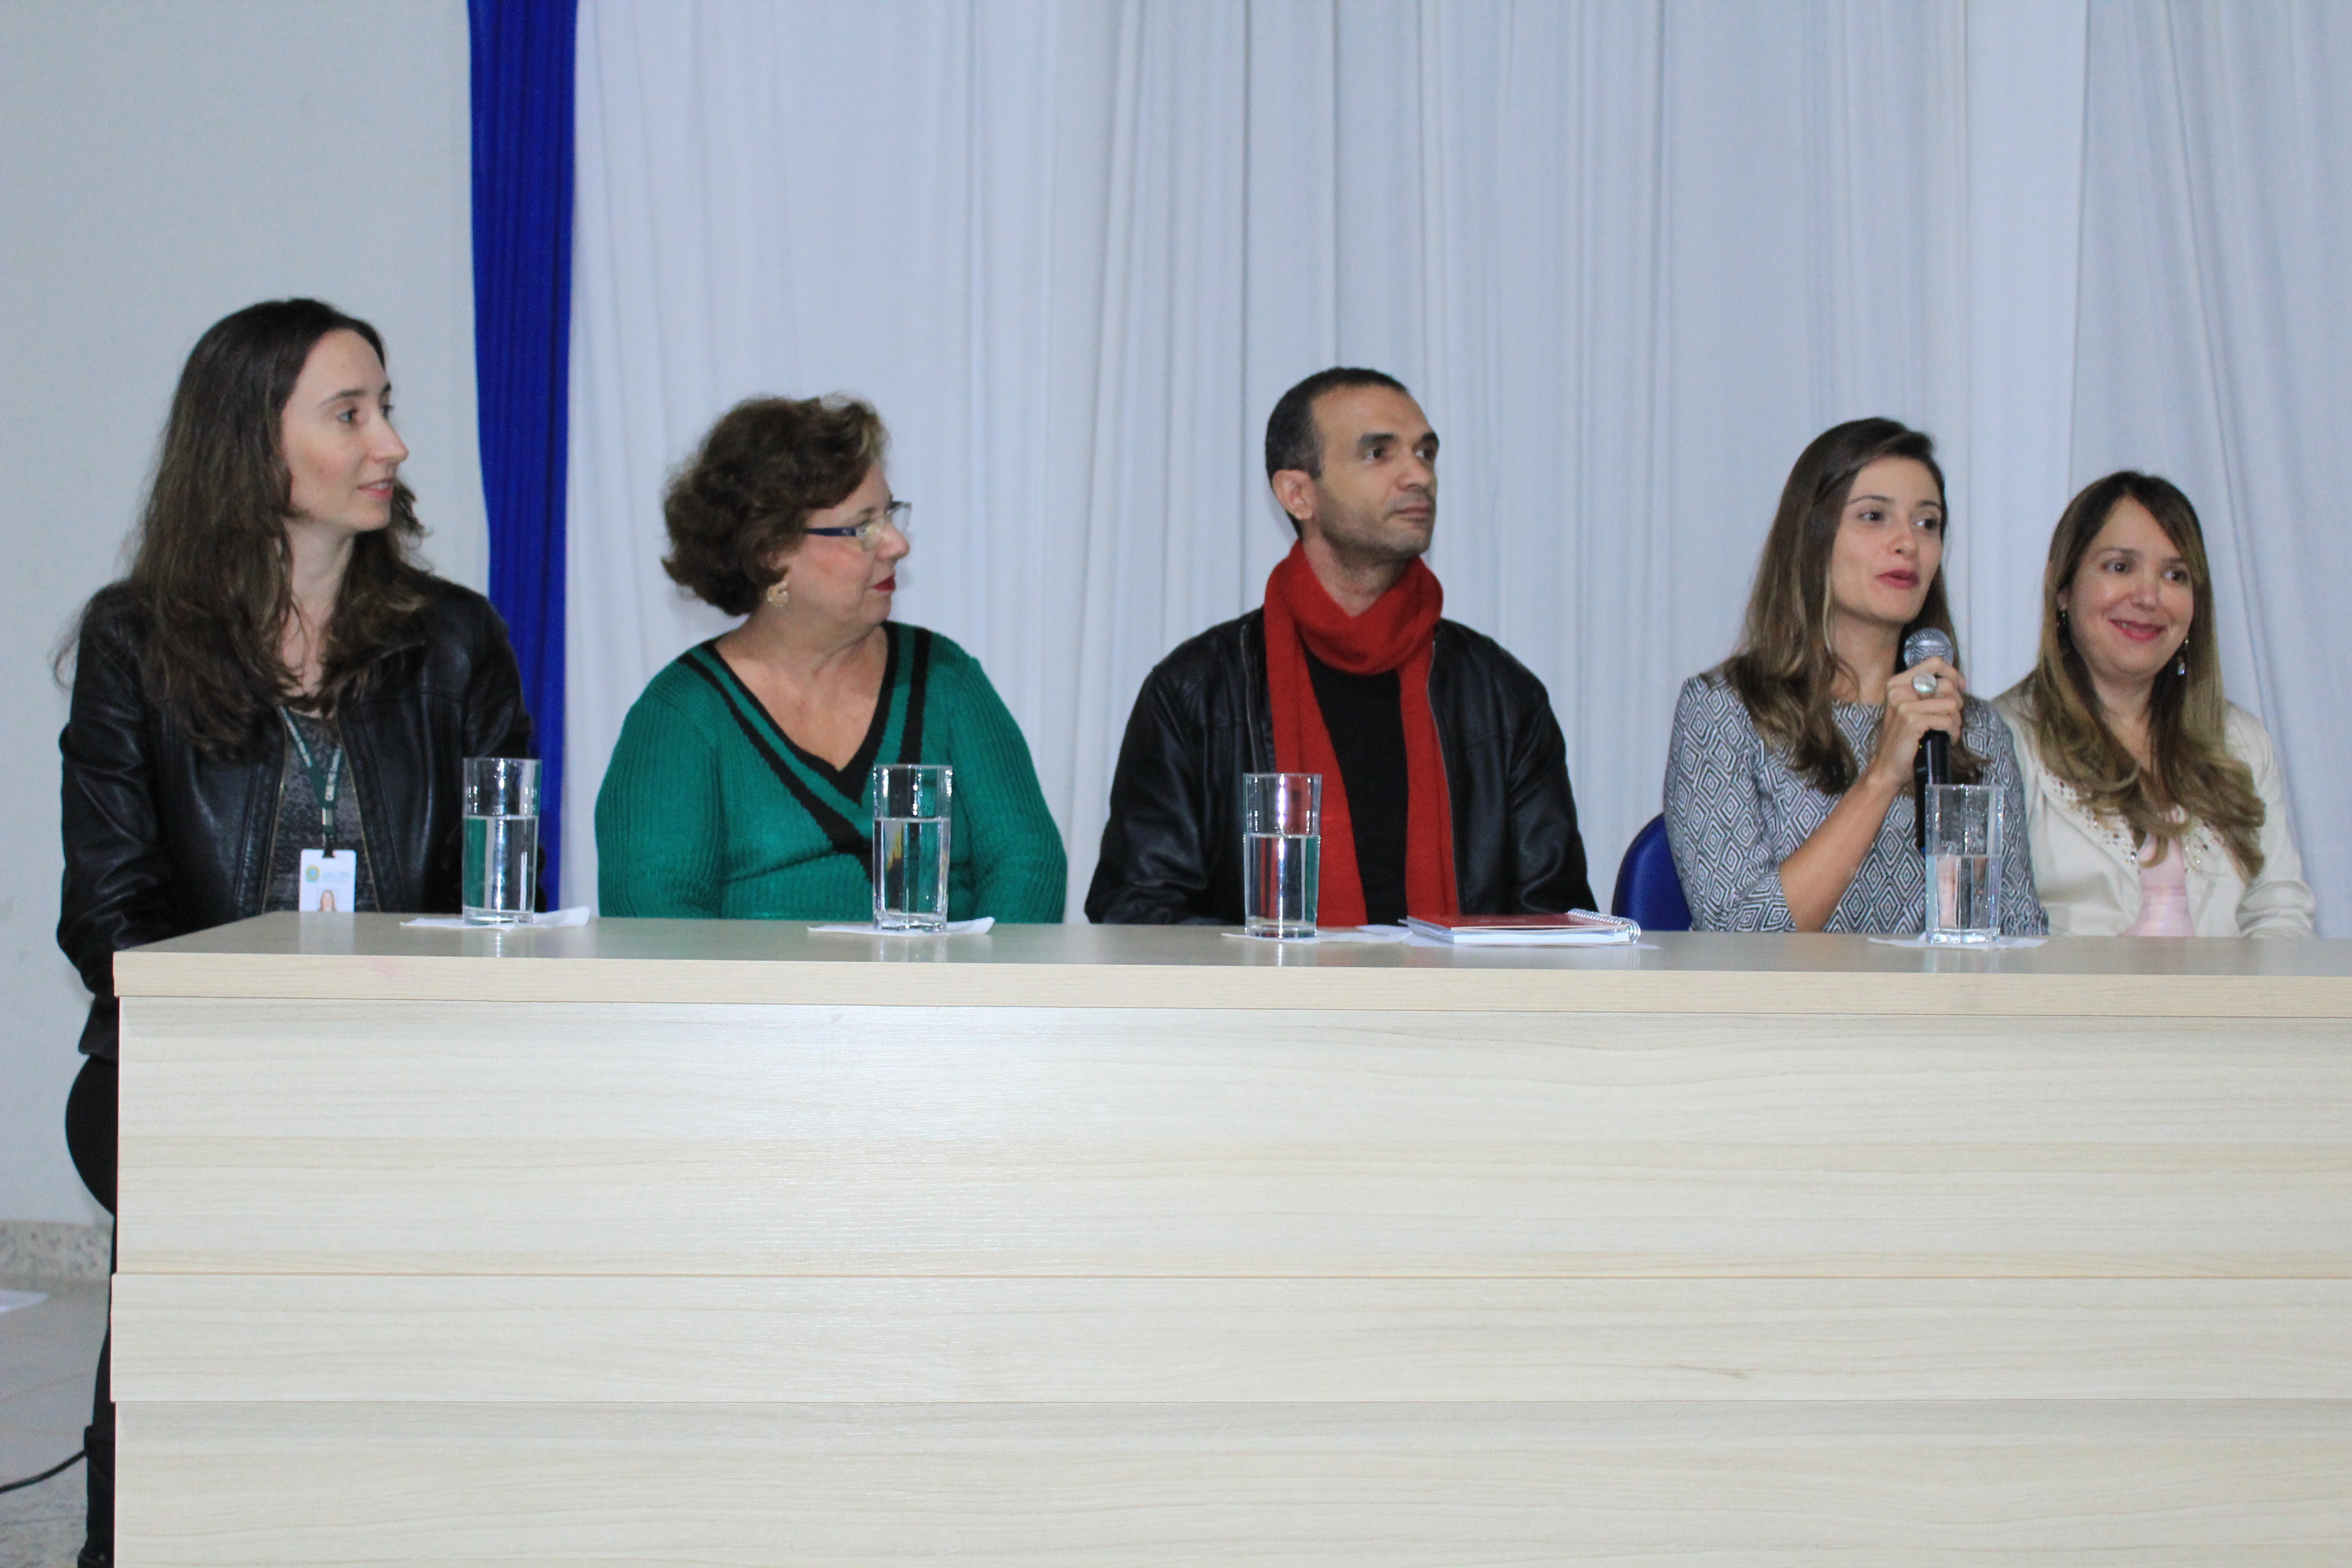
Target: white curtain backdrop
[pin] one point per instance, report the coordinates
(1630, 253)
(2216, 345)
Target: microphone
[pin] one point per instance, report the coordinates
(1925, 644)
(1933, 764)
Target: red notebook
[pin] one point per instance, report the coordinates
(1575, 928)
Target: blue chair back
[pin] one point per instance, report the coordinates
(1647, 887)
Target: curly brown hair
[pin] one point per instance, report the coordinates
(1785, 667)
(212, 574)
(746, 494)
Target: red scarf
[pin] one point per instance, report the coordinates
(1397, 633)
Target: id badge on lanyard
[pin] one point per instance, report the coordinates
(329, 881)
(330, 877)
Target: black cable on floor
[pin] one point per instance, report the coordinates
(57, 1468)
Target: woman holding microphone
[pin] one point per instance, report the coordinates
(1789, 781)
(277, 687)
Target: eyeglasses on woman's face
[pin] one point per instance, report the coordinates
(868, 529)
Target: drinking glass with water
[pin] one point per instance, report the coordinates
(500, 880)
(1963, 863)
(914, 811)
(1282, 852)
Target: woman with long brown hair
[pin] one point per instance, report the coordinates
(277, 687)
(1789, 784)
(2155, 804)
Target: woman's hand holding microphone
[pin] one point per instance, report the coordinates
(1923, 697)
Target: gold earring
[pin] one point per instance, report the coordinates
(778, 594)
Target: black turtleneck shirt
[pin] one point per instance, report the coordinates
(1365, 716)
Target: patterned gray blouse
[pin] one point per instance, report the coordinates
(1735, 811)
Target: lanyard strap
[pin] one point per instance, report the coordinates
(326, 776)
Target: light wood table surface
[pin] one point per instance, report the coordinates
(724, 1242)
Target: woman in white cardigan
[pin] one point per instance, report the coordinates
(2152, 804)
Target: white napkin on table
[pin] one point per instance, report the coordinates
(578, 915)
(1331, 933)
(954, 928)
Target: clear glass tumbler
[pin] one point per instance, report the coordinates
(1282, 852)
(1962, 861)
(914, 811)
(500, 880)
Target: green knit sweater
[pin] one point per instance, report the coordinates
(709, 810)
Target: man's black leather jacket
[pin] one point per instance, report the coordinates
(1172, 848)
(162, 839)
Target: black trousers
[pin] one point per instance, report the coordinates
(92, 1117)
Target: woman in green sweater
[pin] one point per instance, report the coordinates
(739, 788)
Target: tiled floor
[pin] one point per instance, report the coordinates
(48, 1354)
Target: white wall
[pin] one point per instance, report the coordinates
(160, 166)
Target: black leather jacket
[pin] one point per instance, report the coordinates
(1172, 850)
(160, 839)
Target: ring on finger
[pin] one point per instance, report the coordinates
(1923, 684)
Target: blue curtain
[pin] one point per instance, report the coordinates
(523, 55)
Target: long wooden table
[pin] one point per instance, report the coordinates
(665, 1242)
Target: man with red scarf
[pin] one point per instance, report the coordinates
(1444, 777)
